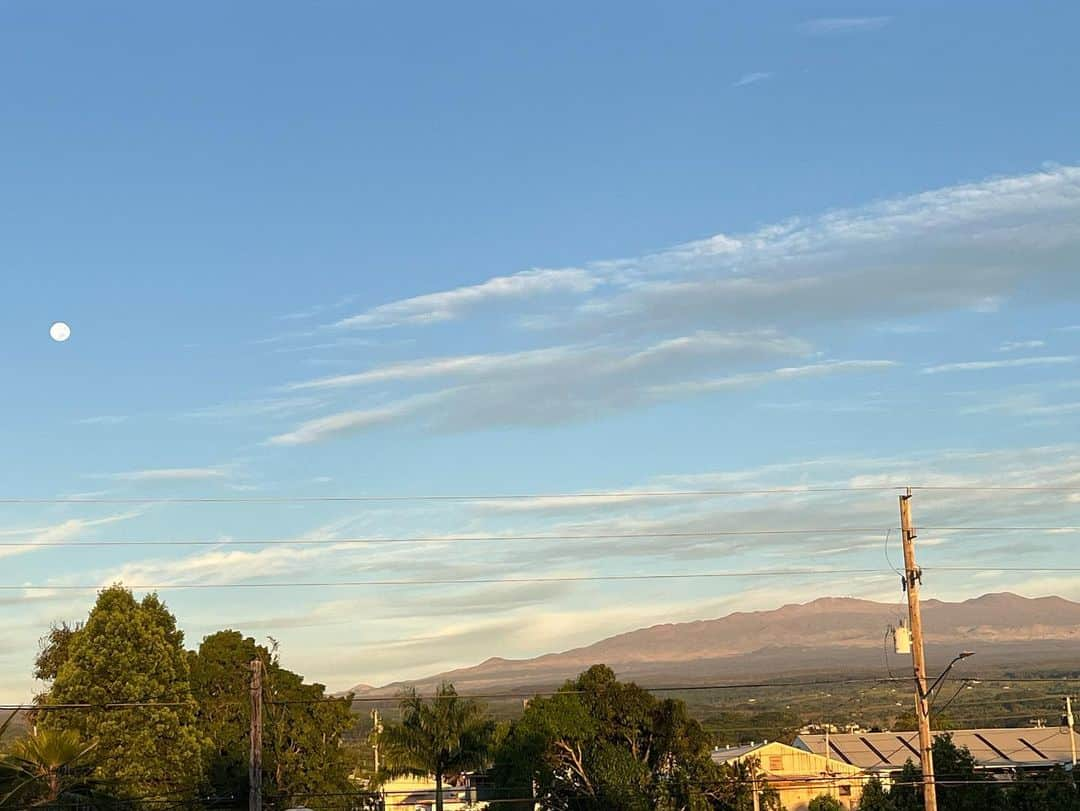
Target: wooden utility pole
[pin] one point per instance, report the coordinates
(1070, 722)
(376, 727)
(255, 755)
(912, 581)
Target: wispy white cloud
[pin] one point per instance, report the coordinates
(775, 375)
(268, 407)
(843, 25)
(1011, 363)
(585, 387)
(104, 419)
(970, 246)
(752, 78)
(451, 304)
(172, 474)
(459, 366)
(351, 422)
(704, 344)
(544, 386)
(69, 530)
(1032, 405)
(1013, 346)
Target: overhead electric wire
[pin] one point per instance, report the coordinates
(875, 573)
(445, 539)
(466, 538)
(601, 494)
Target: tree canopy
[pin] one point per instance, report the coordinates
(599, 743)
(128, 652)
(442, 737)
(303, 752)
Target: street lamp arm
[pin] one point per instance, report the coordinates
(937, 682)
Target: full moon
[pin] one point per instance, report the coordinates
(60, 331)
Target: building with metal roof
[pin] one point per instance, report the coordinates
(993, 749)
(797, 775)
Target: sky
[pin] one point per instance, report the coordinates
(349, 250)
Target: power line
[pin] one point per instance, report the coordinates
(875, 573)
(601, 494)
(301, 541)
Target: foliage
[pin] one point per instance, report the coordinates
(54, 650)
(735, 727)
(47, 768)
(906, 790)
(303, 754)
(443, 737)
(962, 787)
(1055, 790)
(875, 797)
(128, 652)
(598, 743)
(825, 802)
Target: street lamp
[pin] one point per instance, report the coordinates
(958, 658)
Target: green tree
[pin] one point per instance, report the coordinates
(54, 650)
(905, 794)
(960, 786)
(874, 797)
(825, 802)
(47, 768)
(129, 652)
(303, 729)
(1055, 790)
(599, 743)
(442, 738)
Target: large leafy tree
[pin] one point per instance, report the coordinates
(960, 786)
(441, 737)
(128, 652)
(599, 743)
(1054, 790)
(303, 754)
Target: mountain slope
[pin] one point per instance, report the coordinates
(829, 634)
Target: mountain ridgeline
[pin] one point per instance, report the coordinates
(828, 636)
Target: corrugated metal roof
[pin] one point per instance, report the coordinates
(734, 752)
(991, 748)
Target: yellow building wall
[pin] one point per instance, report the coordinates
(777, 761)
(413, 793)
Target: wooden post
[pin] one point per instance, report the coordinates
(1071, 723)
(255, 755)
(912, 581)
(376, 728)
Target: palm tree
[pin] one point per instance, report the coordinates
(444, 737)
(47, 758)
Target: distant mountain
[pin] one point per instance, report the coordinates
(827, 635)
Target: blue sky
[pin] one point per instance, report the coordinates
(489, 248)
